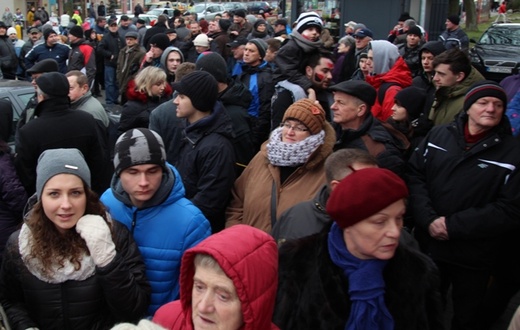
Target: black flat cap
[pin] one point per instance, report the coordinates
(46, 65)
(358, 88)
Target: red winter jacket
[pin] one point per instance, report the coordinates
(400, 77)
(249, 257)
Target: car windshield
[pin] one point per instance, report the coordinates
(501, 35)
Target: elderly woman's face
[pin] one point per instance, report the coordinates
(377, 236)
(214, 301)
(64, 200)
(294, 131)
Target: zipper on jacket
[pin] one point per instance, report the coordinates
(134, 219)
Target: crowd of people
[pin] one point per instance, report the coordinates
(259, 177)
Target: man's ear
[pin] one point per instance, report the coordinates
(362, 110)
(460, 76)
(308, 71)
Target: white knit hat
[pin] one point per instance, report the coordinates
(306, 20)
(11, 30)
(201, 40)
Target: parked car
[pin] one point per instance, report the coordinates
(497, 53)
(207, 11)
(18, 92)
(259, 7)
(173, 5)
(149, 20)
(159, 11)
(232, 6)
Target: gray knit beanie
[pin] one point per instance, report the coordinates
(138, 146)
(60, 161)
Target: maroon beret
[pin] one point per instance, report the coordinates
(364, 193)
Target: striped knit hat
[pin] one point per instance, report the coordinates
(306, 20)
(481, 89)
(138, 146)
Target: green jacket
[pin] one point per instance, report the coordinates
(449, 101)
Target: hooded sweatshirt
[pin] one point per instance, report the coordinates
(390, 74)
(170, 77)
(249, 257)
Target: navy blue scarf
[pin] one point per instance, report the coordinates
(366, 286)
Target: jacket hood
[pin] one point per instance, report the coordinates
(255, 282)
(170, 190)
(399, 74)
(385, 55)
(167, 51)
(217, 122)
(133, 94)
(236, 94)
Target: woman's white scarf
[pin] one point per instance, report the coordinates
(292, 154)
(59, 274)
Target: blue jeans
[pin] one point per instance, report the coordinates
(111, 87)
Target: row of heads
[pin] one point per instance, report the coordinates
(368, 190)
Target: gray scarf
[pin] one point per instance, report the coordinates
(292, 154)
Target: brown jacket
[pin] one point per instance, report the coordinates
(251, 195)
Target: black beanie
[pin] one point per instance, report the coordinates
(47, 32)
(261, 45)
(412, 99)
(415, 30)
(455, 19)
(484, 88)
(224, 24)
(435, 47)
(53, 84)
(138, 146)
(201, 88)
(76, 31)
(240, 13)
(214, 64)
(160, 40)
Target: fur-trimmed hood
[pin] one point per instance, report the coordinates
(133, 94)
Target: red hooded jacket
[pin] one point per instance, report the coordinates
(249, 257)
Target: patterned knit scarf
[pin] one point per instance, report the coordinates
(292, 154)
(366, 286)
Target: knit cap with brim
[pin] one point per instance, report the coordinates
(308, 113)
(138, 146)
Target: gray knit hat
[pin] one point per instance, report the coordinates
(138, 146)
(60, 161)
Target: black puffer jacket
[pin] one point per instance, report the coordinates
(136, 112)
(206, 164)
(308, 276)
(118, 292)
(476, 190)
(8, 59)
(236, 99)
(378, 141)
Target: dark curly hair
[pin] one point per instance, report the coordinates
(50, 246)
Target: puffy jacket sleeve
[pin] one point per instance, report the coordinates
(288, 60)
(12, 193)
(419, 201)
(123, 280)
(11, 292)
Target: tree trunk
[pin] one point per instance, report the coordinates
(471, 15)
(453, 7)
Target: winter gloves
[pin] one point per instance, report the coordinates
(96, 233)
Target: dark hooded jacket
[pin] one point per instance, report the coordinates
(255, 282)
(136, 112)
(8, 59)
(377, 140)
(83, 57)
(313, 293)
(475, 188)
(236, 99)
(207, 164)
(59, 127)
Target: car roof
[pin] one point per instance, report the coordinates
(6, 83)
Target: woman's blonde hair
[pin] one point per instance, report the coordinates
(148, 77)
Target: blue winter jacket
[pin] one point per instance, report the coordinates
(164, 228)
